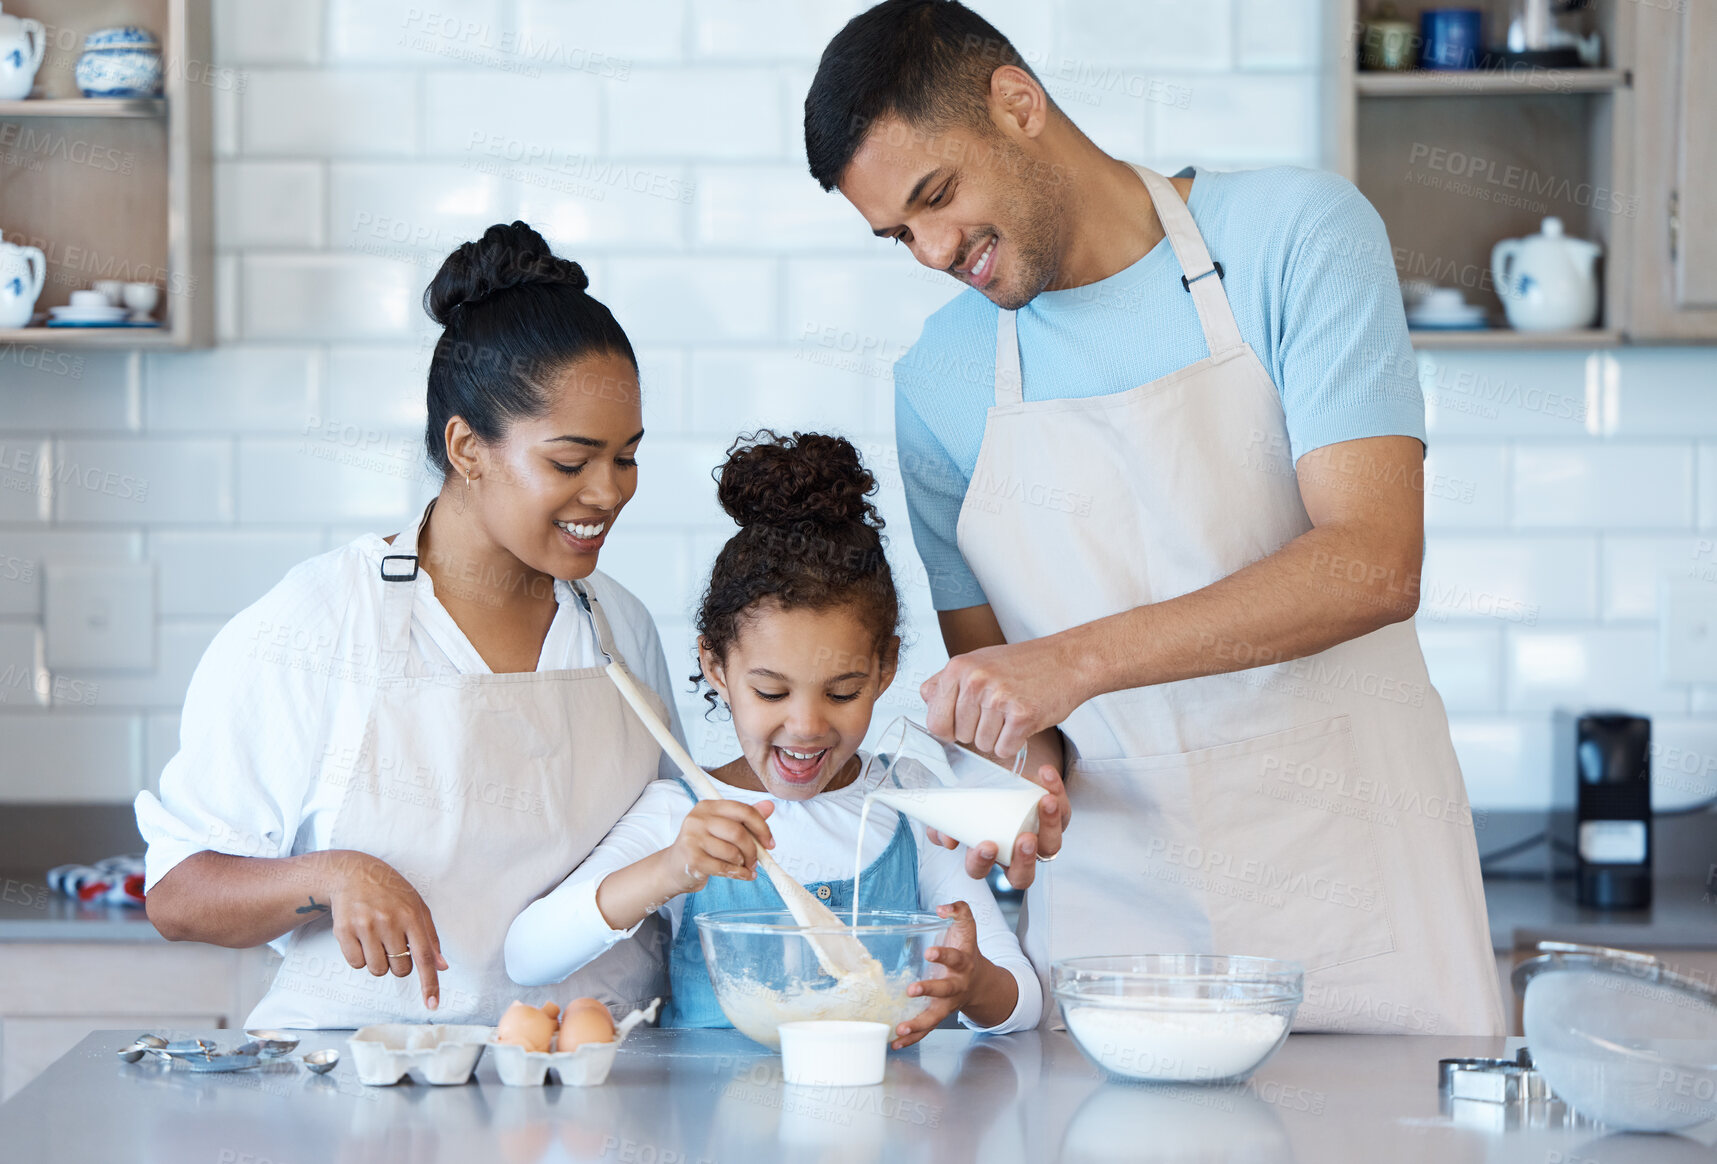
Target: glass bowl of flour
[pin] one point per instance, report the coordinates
(765, 969)
(1178, 1018)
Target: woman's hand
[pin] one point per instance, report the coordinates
(969, 982)
(381, 922)
(719, 838)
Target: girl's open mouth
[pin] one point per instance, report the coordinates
(796, 767)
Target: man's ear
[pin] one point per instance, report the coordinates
(1018, 103)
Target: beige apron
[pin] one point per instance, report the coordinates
(1311, 810)
(484, 791)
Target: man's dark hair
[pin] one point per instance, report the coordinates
(928, 62)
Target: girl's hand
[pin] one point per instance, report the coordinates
(720, 838)
(381, 922)
(965, 972)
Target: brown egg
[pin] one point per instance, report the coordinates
(530, 1027)
(585, 1021)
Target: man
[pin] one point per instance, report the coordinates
(1164, 461)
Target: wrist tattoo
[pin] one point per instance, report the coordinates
(314, 906)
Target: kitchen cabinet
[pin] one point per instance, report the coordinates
(1673, 280)
(112, 188)
(53, 993)
(1623, 154)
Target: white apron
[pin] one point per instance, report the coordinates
(1311, 810)
(484, 791)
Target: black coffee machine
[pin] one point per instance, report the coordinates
(1607, 838)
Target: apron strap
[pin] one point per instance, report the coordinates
(1009, 384)
(1199, 275)
(598, 620)
(399, 571)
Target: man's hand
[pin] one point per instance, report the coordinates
(1053, 813)
(995, 698)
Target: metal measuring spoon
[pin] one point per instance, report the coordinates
(272, 1044)
(230, 1061)
(323, 1061)
(141, 1044)
(187, 1049)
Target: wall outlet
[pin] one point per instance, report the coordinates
(99, 616)
(1687, 631)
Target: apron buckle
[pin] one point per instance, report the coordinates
(401, 576)
(1215, 269)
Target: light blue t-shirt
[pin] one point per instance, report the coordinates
(1311, 280)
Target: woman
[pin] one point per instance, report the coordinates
(409, 739)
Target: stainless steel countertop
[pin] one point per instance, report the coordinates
(681, 1097)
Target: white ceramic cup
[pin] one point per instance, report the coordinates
(1443, 299)
(142, 297)
(112, 290)
(829, 1053)
(88, 299)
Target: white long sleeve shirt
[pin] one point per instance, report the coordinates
(814, 839)
(264, 701)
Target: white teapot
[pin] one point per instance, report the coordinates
(22, 271)
(22, 43)
(1547, 281)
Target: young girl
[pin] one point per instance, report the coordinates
(797, 638)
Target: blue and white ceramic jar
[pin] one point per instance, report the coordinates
(120, 62)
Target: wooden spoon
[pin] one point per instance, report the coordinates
(839, 953)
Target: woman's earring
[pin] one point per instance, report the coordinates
(465, 494)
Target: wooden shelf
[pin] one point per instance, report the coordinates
(115, 187)
(1490, 82)
(85, 107)
(1507, 338)
(90, 337)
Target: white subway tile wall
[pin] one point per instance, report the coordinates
(658, 142)
(269, 204)
(1707, 477)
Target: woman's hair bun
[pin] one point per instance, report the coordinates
(806, 478)
(504, 258)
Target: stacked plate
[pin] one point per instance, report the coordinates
(1442, 309)
(1466, 317)
(87, 316)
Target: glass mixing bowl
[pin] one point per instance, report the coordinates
(766, 973)
(1178, 1018)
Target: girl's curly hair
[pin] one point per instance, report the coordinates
(809, 538)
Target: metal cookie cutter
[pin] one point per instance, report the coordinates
(1493, 1080)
